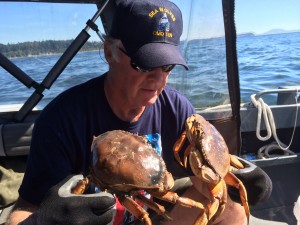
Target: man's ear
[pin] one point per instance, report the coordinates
(108, 52)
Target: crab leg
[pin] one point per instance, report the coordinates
(202, 219)
(232, 180)
(236, 163)
(174, 198)
(135, 209)
(159, 209)
(219, 193)
(216, 208)
(81, 186)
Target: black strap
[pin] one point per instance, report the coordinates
(232, 71)
(16, 72)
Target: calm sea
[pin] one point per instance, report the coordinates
(265, 62)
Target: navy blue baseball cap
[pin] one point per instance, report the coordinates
(150, 31)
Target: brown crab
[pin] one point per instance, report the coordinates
(124, 164)
(211, 162)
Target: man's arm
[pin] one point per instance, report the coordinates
(21, 211)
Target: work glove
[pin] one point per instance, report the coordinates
(257, 183)
(60, 206)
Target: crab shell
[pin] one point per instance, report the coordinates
(212, 145)
(123, 162)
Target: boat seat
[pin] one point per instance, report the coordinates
(15, 138)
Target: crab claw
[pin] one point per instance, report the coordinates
(177, 147)
(233, 181)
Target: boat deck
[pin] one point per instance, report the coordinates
(279, 208)
(274, 216)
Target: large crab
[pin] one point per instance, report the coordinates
(211, 162)
(124, 164)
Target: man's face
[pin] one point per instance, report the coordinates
(138, 88)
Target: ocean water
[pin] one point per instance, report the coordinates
(268, 62)
(265, 62)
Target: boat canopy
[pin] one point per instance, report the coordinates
(208, 44)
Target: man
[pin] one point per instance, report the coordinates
(141, 50)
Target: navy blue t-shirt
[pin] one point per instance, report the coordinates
(63, 133)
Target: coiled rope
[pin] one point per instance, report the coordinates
(265, 110)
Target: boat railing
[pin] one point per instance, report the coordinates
(286, 94)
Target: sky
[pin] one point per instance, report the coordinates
(65, 21)
(259, 16)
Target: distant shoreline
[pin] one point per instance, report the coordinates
(271, 32)
(49, 54)
(39, 48)
(50, 47)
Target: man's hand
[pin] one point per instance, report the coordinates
(60, 206)
(257, 183)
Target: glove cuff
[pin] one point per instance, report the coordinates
(257, 183)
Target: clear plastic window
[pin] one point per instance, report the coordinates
(268, 46)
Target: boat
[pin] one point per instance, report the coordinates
(263, 127)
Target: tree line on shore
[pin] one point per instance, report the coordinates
(43, 47)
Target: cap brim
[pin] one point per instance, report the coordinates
(154, 55)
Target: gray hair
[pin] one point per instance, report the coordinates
(114, 45)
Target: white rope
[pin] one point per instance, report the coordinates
(264, 109)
